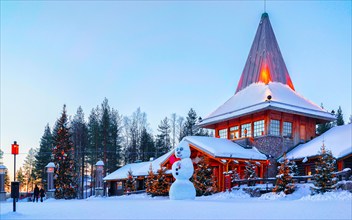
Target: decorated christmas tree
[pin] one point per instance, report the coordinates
(161, 185)
(130, 182)
(65, 186)
(250, 173)
(284, 181)
(324, 177)
(203, 178)
(150, 180)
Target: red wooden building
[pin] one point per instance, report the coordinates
(263, 119)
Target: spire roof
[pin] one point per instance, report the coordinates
(265, 62)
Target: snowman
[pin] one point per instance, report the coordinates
(182, 171)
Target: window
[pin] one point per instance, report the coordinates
(234, 132)
(246, 130)
(274, 127)
(223, 133)
(287, 129)
(258, 128)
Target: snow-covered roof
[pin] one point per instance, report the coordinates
(99, 163)
(50, 164)
(337, 139)
(223, 148)
(264, 62)
(138, 169)
(254, 98)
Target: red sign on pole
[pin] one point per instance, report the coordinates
(14, 149)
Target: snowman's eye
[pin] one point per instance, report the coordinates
(181, 148)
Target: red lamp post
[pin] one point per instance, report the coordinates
(14, 185)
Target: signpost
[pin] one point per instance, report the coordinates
(15, 186)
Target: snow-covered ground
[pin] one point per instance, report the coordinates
(234, 205)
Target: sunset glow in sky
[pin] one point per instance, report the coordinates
(163, 56)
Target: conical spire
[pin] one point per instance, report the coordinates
(264, 62)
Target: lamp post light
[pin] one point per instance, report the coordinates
(2, 182)
(50, 168)
(99, 189)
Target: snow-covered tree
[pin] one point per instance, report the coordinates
(234, 175)
(284, 181)
(339, 117)
(130, 185)
(203, 178)
(161, 185)
(250, 172)
(324, 177)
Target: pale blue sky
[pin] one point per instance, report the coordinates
(162, 56)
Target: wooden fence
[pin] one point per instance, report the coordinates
(341, 175)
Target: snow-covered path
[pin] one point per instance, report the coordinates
(236, 205)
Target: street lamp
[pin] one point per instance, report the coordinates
(99, 178)
(15, 186)
(2, 182)
(50, 168)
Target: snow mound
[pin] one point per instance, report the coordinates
(328, 196)
(272, 196)
(234, 194)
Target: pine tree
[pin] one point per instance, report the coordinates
(324, 177)
(7, 181)
(105, 130)
(190, 127)
(65, 176)
(339, 117)
(173, 121)
(163, 138)
(94, 152)
(133, 127)
(44, 155)
(28, 169)
(80, 142)
(21, 178)
(161, 186)
(179, 127)
(250, 173)
(323, 127)
(130, 182)
(147, 145)
(115, 148)
(203, 178)
(150, 181)
(284, 181)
